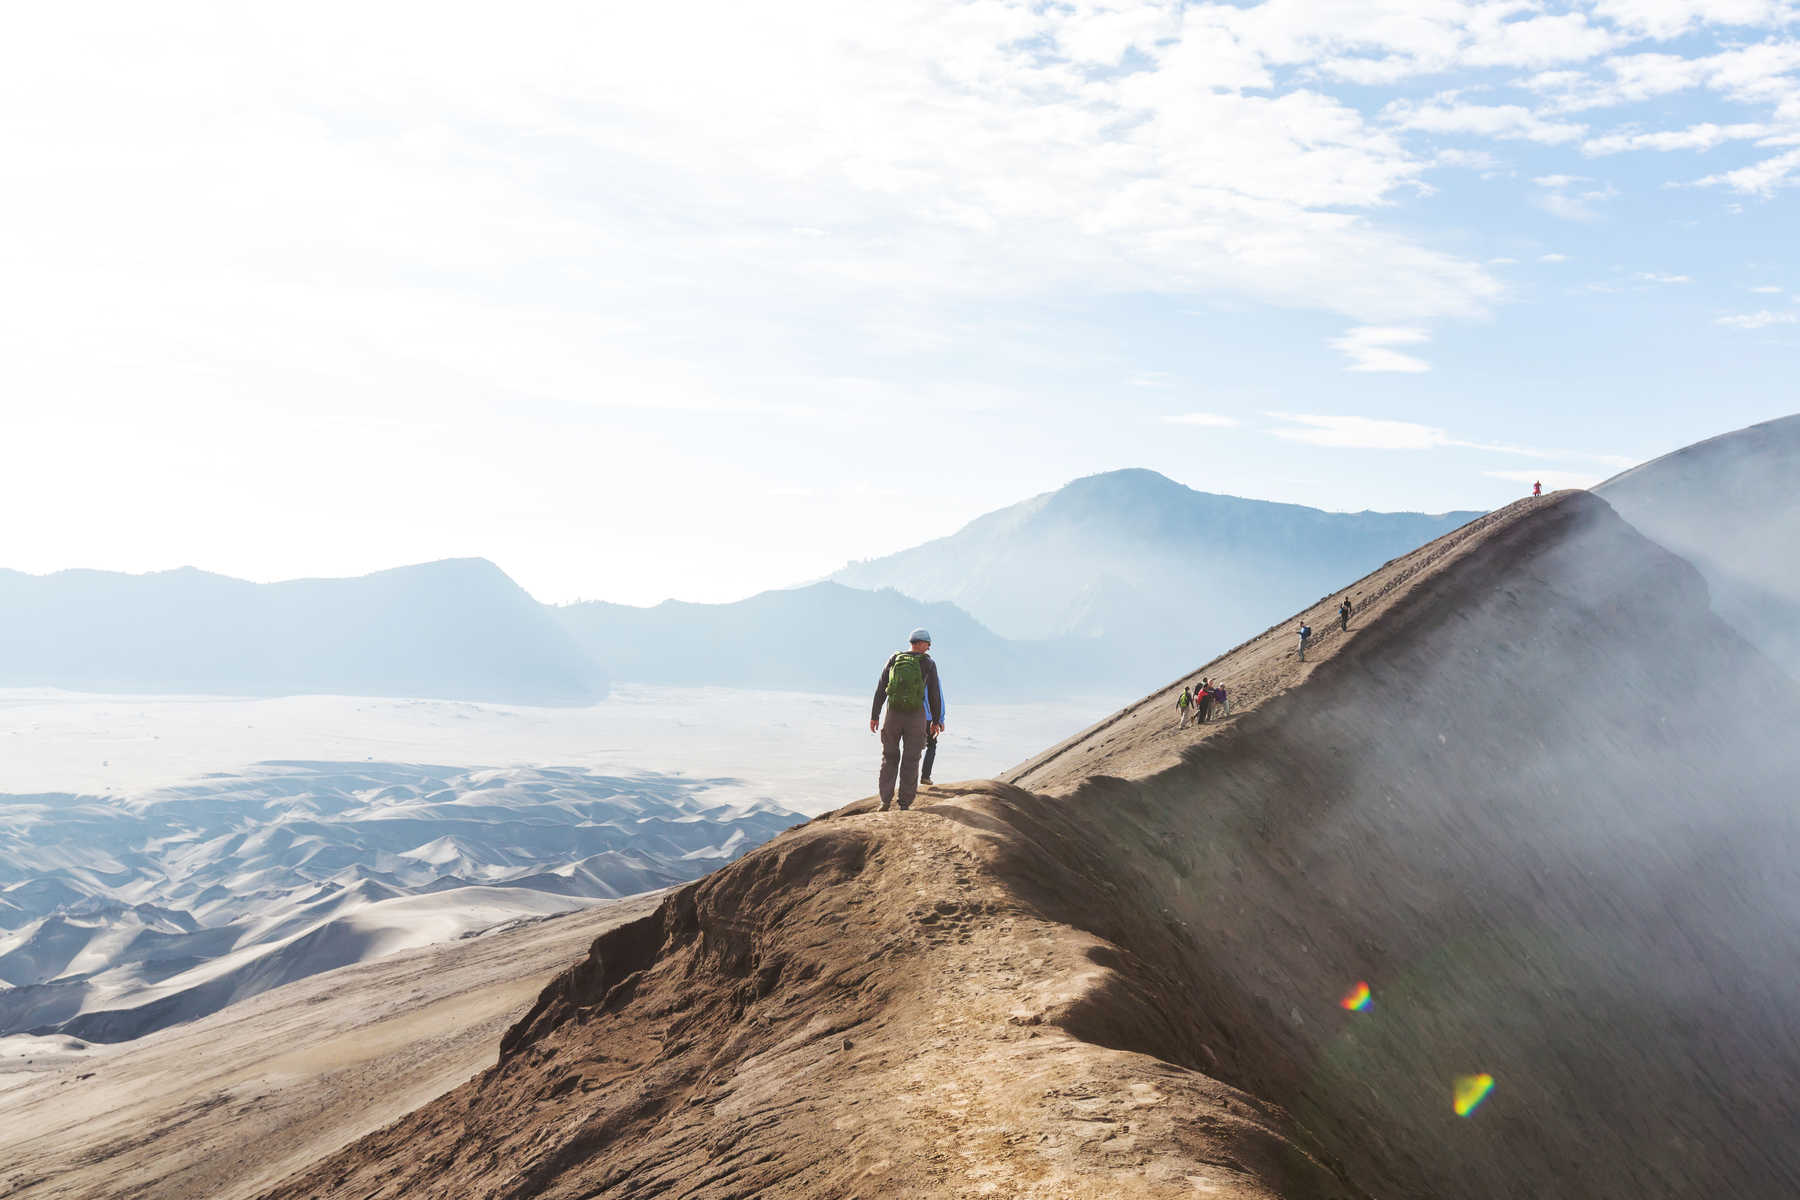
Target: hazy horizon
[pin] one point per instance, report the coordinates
(698, 303)
(790, 585)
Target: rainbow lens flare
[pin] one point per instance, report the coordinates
(1356, 999)
(1471, 1090)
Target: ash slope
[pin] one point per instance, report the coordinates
(1538, 800)
(1731, 506)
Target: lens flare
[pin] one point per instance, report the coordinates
(1470, 1091)
(1357, 998)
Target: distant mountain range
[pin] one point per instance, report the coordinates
(456, 629)
(1162, 575)
(824, 637)
(1117, 580)
(1731, 506)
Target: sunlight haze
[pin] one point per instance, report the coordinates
(695, 301)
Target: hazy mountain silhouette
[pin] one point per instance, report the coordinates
(455, 629)
(1162, 573)
(1731, 506)
(822, 637)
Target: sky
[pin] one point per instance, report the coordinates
(697, 300)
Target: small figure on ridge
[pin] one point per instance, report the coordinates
(1305, 637)
(1344, 615)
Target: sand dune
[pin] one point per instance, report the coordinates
(1537, 799)
(140, 911)
(222, 1107)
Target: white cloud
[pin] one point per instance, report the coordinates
(1370, 348)
(436, 222)
(1666, 19)
(1372, 433)
(1759, 320)
(1553, 480)
(1504, 121)
(1553, 258)
(1358, 433)
(1204, 419)
(1704, 136)
(1501, 262)
(1659, 277)
(1474, 160)
(1759, 179)
(1562, 197)
(1755, 74)
(1767, 289)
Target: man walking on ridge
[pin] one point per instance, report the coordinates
(908, 684)
(1305, 637)
(1344, 614)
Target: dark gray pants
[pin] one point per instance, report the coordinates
(902, 741)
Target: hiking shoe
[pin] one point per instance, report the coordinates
(884, 806)
(924, 783)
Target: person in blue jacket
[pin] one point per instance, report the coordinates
(934, 726)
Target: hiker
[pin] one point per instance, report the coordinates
(1537, 489)
(908, 684)
(1344, 615)
(931, 739)
(1305, 637)
(1185, 706)
(1203, 699)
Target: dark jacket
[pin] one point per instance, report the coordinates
(934, 692)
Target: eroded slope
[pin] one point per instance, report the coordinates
(1537, 799)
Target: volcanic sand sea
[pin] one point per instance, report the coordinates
(802, 749)
(222, 1107)
(1481, 801)
(129, 1115)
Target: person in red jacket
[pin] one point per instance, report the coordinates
(1537, 489)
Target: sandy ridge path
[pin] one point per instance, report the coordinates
(867, 1007)
(862, 1008)
(222, 1107)
(1142, 738)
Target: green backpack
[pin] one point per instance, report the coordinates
(906, 682)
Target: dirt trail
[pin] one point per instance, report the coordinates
(1125, 982)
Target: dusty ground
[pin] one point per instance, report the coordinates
(866, 1011)
(1539, 799)
(223, 1107)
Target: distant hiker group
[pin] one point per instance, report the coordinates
(1196, 703)
(1344, 610)
(909, 686)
